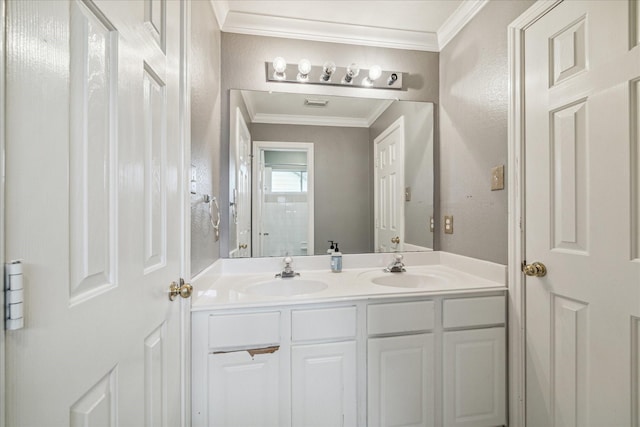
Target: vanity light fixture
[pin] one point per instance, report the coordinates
(279, 68)
(304, 72)
(304, 68)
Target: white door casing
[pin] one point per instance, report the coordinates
(389, 188)
(95, 209)
(578, 135)
(242, 192)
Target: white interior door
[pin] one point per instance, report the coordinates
(94, 202)
(242, 192)
(582, 97)
(389, 188)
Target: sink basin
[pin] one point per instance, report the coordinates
(286, 287)
(408, 280)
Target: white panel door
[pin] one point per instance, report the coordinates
(323, 385)
(389, 188)
(244, 390)
(401, 381)
(474, 372)
(582, 215)
(94, 202)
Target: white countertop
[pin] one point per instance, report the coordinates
(223, 285)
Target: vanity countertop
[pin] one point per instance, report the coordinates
(226, 283)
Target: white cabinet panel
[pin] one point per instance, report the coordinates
(480, 311)
(323, 385)
(474, 378)
(322, 324)
(244, 390)
(250, 330)
(400, 317)
(401, 386)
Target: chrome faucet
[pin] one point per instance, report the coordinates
(288, 270)
(396, 266)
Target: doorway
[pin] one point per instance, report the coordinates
(283, 215)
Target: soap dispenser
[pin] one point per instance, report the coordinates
(331, 248)
(336, 260)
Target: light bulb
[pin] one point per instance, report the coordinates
(279, 67)
(304, 68)
(374, 73)
(327, 70)
(352, 71)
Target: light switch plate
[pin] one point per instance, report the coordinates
(497, 178)
(448, 224)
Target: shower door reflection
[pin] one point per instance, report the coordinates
(283, 206)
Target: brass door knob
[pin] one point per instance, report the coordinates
(395, 240)
(184, 290)
(537, 269)
(243, 246)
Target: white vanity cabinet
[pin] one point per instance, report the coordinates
(238, 367)
(474, 362)
(422, 361)
(401, 368)
(291, 367)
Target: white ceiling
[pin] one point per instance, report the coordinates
(426, 25)
(290, 108)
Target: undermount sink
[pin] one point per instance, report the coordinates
(286, 287)
(408, 280)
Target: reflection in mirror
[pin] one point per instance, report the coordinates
(308, 169)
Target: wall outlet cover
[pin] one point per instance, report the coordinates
(448, 224)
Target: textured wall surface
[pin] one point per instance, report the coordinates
(243, 58)
(205, 129)
(342, 182)
(473, 132)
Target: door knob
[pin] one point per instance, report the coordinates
(184, 290)
(395, 240)
(537, 269)
(243, 246)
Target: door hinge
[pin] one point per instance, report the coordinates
(13, 296)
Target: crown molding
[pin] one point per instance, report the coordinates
(458, 19)
(289, 119)
(220, 10)
(276, 26)
(231, 21)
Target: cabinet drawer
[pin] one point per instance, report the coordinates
(400, 317)
(480, 311)
(244, 330)
(321, 324)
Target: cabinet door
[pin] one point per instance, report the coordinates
(401, 385)
(474, 378)
(244, 390)
(323, 384)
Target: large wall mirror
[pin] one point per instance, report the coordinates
(305, 170)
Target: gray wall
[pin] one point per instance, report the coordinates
(342, 182)
(205, 129)
(418, 168)
(243, 58)
(473, 132)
